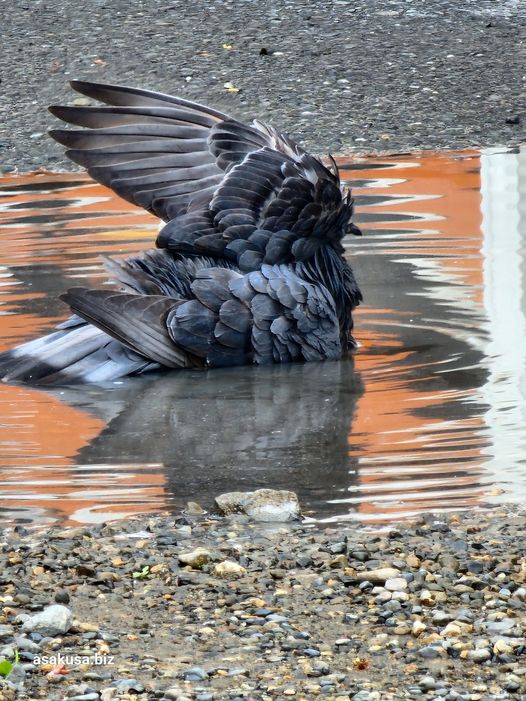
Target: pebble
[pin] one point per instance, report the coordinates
(228, 568)
(395, 584)
(452, 630)
(62, 597)
(268, 505)
(128, 685)
(480, 655)
(311, 652)
(52, 621)
(377, 576)
(195, 558)
(427, 683)
(441, 618)
(430, 652)
(195, 674)
(501, 647)
(418, 628)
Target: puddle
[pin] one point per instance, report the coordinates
(430, 414)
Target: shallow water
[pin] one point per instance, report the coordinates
(429, 414)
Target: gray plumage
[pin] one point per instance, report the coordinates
(249, 266)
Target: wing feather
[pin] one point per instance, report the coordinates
(173, 156)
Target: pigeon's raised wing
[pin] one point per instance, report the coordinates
(228, 189)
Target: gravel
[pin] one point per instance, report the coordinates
(215, 608)
(343, 76)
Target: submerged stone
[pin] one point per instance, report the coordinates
(269, 505)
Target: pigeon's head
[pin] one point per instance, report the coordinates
(329, 267)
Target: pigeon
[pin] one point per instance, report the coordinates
(248, 268)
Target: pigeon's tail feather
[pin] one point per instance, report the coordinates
(82, 353)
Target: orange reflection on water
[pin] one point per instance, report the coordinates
(41, 435)
(407, 453)
(445, 190)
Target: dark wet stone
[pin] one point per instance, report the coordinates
(476, 567)
(360, 555)
(166, 540)
(62, 597)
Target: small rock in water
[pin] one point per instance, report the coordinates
(52, 621)
(269, 505)
(194, 509)
(195, 558)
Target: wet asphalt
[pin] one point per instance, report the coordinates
(348, 76)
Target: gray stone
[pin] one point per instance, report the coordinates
(479, 655)
(195, 674)
(395, 584)
(377, 576)
(500, 627)
(23, 643)
(195, 558)
(52, 621)
(441, 618)
(7, 652)
(427, 683)
(311, 652)
(127, 685)
(277, 618)
(361, 696)
(6, 631)
(173, 693)
(269, 505)
(431, 652)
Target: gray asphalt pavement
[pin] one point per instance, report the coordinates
(351, 76)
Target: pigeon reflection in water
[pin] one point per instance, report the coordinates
(284, 426)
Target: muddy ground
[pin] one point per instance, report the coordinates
(341, 76)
